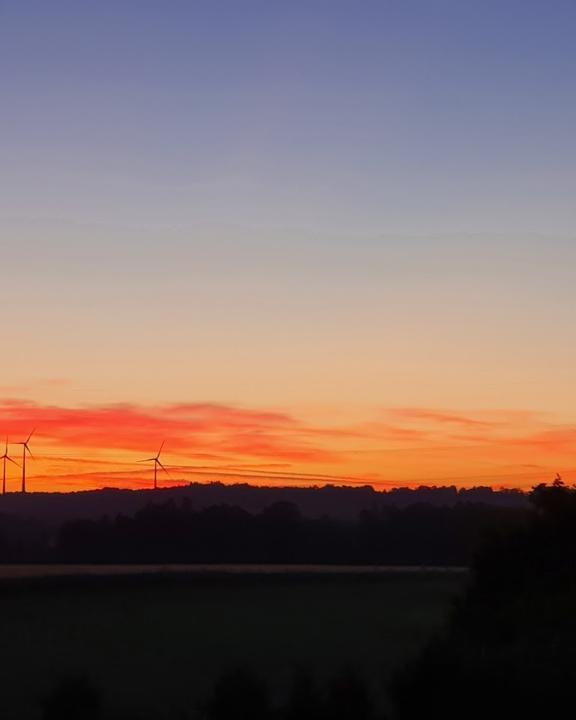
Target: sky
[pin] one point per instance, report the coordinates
(305, 241)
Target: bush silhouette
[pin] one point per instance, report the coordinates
(73, 698)
(238, 695)
(510, 647)
(304, 700)
(348, 698)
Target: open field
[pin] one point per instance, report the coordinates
(155, 645)
(31, 571)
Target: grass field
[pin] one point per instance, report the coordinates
(156, 646)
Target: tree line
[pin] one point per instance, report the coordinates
(175, 532)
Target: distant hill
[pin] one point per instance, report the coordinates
(50, 510)
(217, 523)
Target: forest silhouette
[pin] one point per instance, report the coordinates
(420, 533)
(508, 649)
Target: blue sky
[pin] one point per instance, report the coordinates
(370, 116)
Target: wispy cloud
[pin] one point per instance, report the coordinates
(219, 430)
(31, 387)
(558, 440)
(438, 416)
(203, 439)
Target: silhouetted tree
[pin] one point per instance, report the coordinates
(238, 695)
(348, 697)
(304, 701)
(73, 698)
(509, 649)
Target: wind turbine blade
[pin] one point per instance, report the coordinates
(147, 460)
(30, 436)
(29, 451)
(163, 468)
(10, 460)
(6, 451)
(161, 448)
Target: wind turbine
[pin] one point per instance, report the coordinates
(157, 464)
(5, 458)
(25, 449)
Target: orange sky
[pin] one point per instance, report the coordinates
(304, 242)
(82, 447)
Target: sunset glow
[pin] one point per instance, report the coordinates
(327, 247)
(78, 448)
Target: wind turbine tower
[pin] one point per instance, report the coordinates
(25, 450)
(6, 459)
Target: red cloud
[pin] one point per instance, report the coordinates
(217, 429)
(558, 440)
(436, 416)
(234, 439)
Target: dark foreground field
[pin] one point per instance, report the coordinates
(155, 646)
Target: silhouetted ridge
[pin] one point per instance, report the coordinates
(52, 509)
(176, 532)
